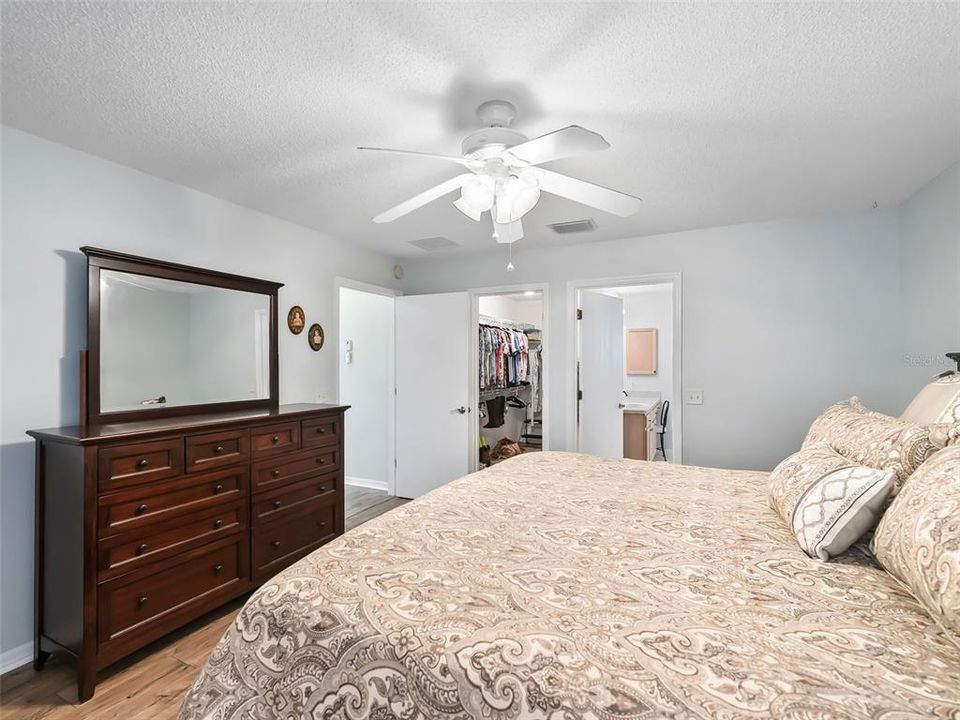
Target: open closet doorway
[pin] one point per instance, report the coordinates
(366, 383)
(628, 363)
(509, 359)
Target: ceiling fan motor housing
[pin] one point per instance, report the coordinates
(496, 116)
(491, 141)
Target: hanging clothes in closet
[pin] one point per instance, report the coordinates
(504, 357)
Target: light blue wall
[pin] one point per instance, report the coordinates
(930, 279)
(780, 319)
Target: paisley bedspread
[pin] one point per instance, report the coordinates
(556, 585)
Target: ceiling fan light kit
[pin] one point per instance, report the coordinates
(503, 178)
(477, 195)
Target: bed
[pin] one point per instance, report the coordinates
(557, 585)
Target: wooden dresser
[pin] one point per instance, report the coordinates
(143, 526)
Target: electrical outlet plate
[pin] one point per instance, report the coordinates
(693, 397)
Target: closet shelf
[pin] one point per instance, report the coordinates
(491, 321)
(513, 391)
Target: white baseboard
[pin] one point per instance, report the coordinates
(16, 657)
(367, 483)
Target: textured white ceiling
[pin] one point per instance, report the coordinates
(717, 113)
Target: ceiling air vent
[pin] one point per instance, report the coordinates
(433, 244)
(574, 226)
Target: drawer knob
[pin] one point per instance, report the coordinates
(322, 488)
(322, 460)
(275, 473)
(218, 523)
(275, 438)
(322, 431)
(321, 523)
(277, 503)
(275, 543)
(141, 509)
(217, 569)
(218, 488)
(218, 449)
(142, 463)
(142, 549)
(142, 600)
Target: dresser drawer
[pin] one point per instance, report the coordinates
(320, 432)
(143, 601)
(135, 508)
(132, 550)
(275, 439)
(135, 463)
(284, 470)
(293, 535)
(213, 450)
(284, 500)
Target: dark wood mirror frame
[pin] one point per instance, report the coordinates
(99, 259)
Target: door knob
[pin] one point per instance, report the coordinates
(462, 410)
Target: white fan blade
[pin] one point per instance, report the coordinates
(508, 232)
(571, 140)
(451, 158)
(596, 196)
(423, 198)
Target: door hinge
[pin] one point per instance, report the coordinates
(579, 314)
(579, 394)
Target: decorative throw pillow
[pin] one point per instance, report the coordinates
(870, 438)
(827, 501)
(918, 539)
(937, 402)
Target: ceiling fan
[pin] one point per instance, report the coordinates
(503, 176)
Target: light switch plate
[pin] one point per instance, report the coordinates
(693, 397)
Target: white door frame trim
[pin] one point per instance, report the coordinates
(570, 381)
(341, 283)
(475, 294)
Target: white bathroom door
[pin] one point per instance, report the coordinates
(601, 375)
(433, 341)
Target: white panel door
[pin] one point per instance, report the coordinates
(434, 336)
(601, 374)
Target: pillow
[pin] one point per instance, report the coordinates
(827, 501)
(870, 438)
(918, 539)
(938, 402)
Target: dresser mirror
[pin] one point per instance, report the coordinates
(166, 339)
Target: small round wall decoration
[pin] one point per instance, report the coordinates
(296, 319)
(315, 337)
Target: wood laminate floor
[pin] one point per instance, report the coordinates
(149, 684)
